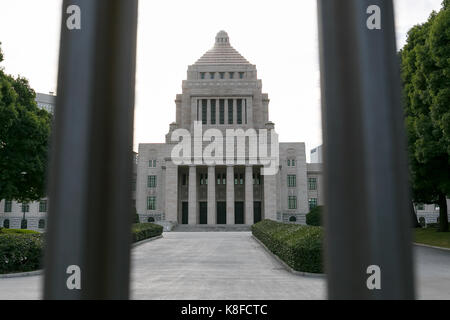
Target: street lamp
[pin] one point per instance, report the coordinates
(23, 173)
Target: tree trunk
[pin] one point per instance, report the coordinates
(415, 223)
(443, 215)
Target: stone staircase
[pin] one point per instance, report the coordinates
(211, 228)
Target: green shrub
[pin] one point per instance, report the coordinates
(142, 231)
(314, 217)
(20, 252)
(298, 246)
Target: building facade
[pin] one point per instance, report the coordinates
(222, 92)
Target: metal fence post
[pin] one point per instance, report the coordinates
(366, 190)
(91, 158)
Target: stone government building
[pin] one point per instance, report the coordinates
(223, 92)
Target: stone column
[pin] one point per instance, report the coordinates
(192, 207)
(230, 195)
(212, 195)
(217, 112)
(171, 192)
(208, 111)
(234, 111)
(249, 195)
(270, 197)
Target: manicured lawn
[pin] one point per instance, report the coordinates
(431, 237)
(16, 231)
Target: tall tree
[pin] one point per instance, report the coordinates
(426, 77)
(24, 135)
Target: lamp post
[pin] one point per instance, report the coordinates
(23, 206)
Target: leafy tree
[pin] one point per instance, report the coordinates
(24, 135)
(426, 78)
(315, 216)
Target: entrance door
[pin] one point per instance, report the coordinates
(257, 211)
(239, 212)
(221, 213)
(203, 212)
(184, 213)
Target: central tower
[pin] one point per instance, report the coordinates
(222, 91)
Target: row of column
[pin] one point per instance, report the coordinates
(211, 196)
(244, 111)
(171, 196)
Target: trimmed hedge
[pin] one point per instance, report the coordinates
(142, 231)
(20, 252)
(298, 246)
(314, 217)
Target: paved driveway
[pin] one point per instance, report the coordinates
(230, 265)
(215, 265)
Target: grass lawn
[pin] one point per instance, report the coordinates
(16, 231)
(431, 237)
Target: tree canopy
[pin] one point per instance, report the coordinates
(24, 138)
(426, 81)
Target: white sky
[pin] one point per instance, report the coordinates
(280, 37)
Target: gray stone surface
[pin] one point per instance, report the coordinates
(230, 265)
(218, 265)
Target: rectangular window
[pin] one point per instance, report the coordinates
(258, 179)
(202, 75)
(230, 111)
(222, 111)
(25, 207)
(151, 203)
(206, 178)
(235, 179)
(289, 163)
(312, 183)
(292, 181)
(43, 206)
(224, 179)
(151, 181)
(212, 74)
(218, 179)
(204, 111)
(231, 75)
(312, 203)
(239, 111)
(420, 206)
(8, 205)
(241, 179)
(292, 202)
(241, 75)
(201, 179)
(213, 111)
(152, 163)
(222, 75)
(184, 180)
(293, 163)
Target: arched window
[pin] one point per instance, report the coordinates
(41, 224)
(24, 224)
(151, 219)
(6, 223)
(292, 219)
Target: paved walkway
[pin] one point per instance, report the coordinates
(230, 265)
(215, 265)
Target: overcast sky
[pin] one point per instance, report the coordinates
(280, 37)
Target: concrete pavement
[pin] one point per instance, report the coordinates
(230, 265)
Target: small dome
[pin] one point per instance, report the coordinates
(222, 38)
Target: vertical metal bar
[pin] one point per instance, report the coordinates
(365, 159)
(91, 161)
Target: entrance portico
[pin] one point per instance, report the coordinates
(214, 194)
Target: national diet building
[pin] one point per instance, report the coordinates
(223, 94)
